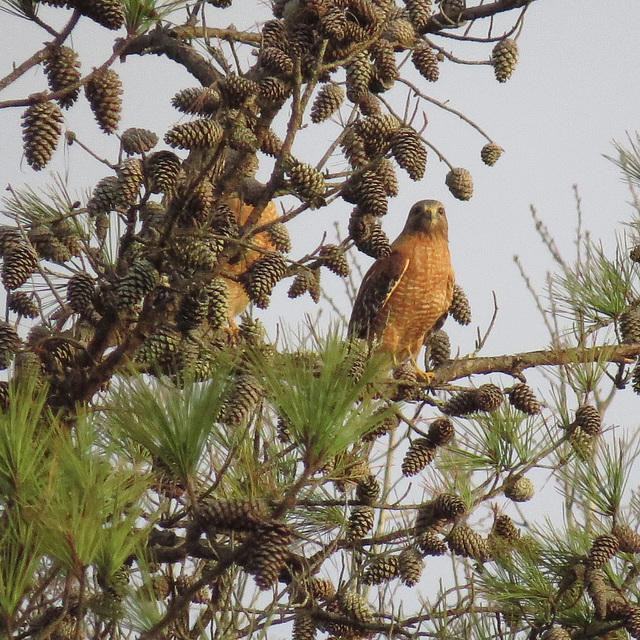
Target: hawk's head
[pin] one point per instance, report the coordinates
(427, 216)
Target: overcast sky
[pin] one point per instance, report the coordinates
(574, 91)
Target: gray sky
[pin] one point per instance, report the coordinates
(574, 91)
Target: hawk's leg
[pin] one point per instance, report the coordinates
(422, 376)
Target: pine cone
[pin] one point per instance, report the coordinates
(420, 453)
(134, 140)
(431, 545)
(490, 153)
(161, 349)
(503, 527)
(353, 605)
(321, 588)
(61, 68)
(634, 254)
(262, 276)
(588, 419)
(327, 102)
(103, 92)
(270, 144)
(139, 281)
(20, 261)
(360, 522)
(163, 169)
(383, 168)
(359, 72)
(377, 132)
(245, 395)
(104, 197)
(303, 626)
(409, 151)
(504, 58)
(425, 61)
(629, 326)
(389, 423)
(598, 591)
(80, 292)
(42, 126)
(603, 548)
(273, 92)
(238, 89)
(460, 183)
(460, 310)
(277, 61)
(108, 13)
(385, 71)
(556, 633)
(410, 567)
(519, 489)
(307, 183)
(419, 12)
(489, 397)
(367, 490)
(628, 539)
(197, 101)
(354, 149)
(199, 134)
(306, 280)
(10, 237)
(401, 34)
(232, 515)
(632, 621)
(521, 397)
(368, 191)
(581, 443)
(268, 553)
(462, 403)
(441, 432)
(439, 348)
(130, 179)
(382, 569)
(274, 34)
(333, 258)
(465, 542)
(9, 344)
(22, 304)
(445, 507)
(193, 309)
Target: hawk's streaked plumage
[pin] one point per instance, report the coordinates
(406, 295)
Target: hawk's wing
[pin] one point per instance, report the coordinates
(368, 316)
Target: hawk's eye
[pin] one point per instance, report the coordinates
(441, 211)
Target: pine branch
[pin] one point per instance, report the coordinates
(514, 364)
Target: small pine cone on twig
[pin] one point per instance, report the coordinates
(327, 102)
(420, 453)
(9, 344)
(245, 395)
(104, 197)
(504, 58)
(277, 61)
(306, 280)
(410, 566)
(389, 423)
(360, 522)
(270, 144)
(466, 542)
(409, 151)
(382, 569)
(367, 489)
(238, 89)
(503, 527)
(628, 539)
(262, 276)
(9, 237)
(199, 134)
(431, 545)
(135, 140)
(279, 237)
(489, 397)
(439, 348)
(629, 326)
(353, 148)
(22, 304)
(460, 310)
(445, 507)
(333, 258)
(130, 179)
(108, 13)
(162, 169)
(377, 132)
(103, 91)
(400, 33)
(359, 72)
(462, 403)
(632, 621)
(460, 183)
(61, 67)
(519, 489)
(353, 605)
(197, 101)
(193, 310)
(268, 552)
(368, 236)
(42, 126)
(368, 191)
(588, 419)
(490, 153)
(425, 60)
(603, 548)
(419, 13)
(20, 261)
(80, 291)
(274, 34)
(303, 626)
(307, 183)
(232, 515)
(522, 397)
(321, 588)
(634, 254)
(140, 280)
(441, 432)
(385, 70)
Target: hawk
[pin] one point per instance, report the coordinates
(406, 295)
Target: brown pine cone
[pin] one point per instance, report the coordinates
(42, 126)
(490, 153)
(103, 91)
(61, 67)
(504, 58)
(425, 60)
(588, 419)
(519, 489)
(628, 539)
(22, 304)
(327, 102)
(381, 569)
(410, 566)
(420, 453)
(465, 542)
(629, 326)
(441, 432)
(199, 134)
(409, 151)
(135, 140)
(431, 545)
(360, 522)
(367, 489)
(521, 397)
(603, 548)
(460, 183)
(503, 527)
(460, 310)
(439, 348)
